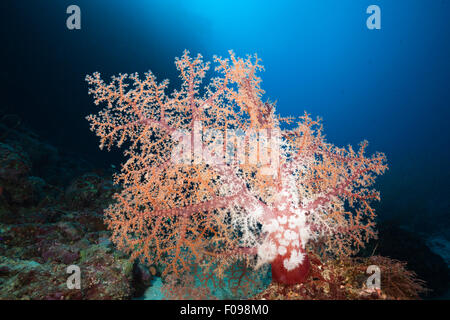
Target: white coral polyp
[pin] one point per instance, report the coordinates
(282, 220)
(258, 211)
(290, 235)
(271, 227)
(284, 242)
(297, 244)
(294, 260)
(282, 250)
(267, 252)
(297, 220)
(305, 235)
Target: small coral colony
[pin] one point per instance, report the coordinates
(216, 181)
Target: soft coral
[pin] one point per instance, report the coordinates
(211, 213)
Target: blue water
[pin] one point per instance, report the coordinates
(390, 86)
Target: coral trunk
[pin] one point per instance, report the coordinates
(297, 275)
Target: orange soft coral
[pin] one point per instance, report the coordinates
(212, 177)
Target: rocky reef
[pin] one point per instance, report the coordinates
(50, 218)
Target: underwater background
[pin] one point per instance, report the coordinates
(389, 86)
